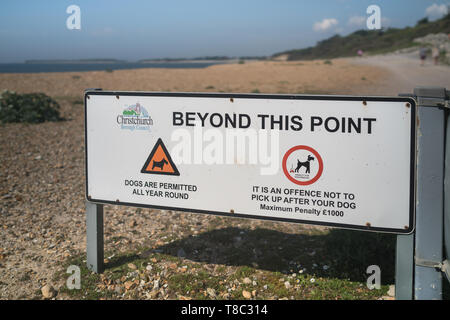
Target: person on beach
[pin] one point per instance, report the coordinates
(435, 55)
(423, 55)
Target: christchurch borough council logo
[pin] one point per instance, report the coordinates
(302, 165)
(135, 117)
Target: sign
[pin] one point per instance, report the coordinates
(160, 161)
(338, 161)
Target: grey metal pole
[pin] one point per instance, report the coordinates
(447, 192)
(404, 267)
(430, 193)
(404, 260)
(94, 231)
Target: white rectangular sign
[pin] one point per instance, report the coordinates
(338, 161)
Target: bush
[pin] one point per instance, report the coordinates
(29, 107)
(423, 21)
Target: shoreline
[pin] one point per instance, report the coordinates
(31, 68)
(281, 77)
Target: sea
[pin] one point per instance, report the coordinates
(75, 67)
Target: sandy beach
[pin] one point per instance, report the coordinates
(309, 77)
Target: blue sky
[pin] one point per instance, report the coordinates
(138, 29)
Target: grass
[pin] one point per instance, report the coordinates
(243, 272)
(220, 259)
(89, 282)
(196, 285)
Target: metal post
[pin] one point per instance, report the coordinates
(404, 267)
(447, 193)
(94, 231)
(404, 259)
(430, 193)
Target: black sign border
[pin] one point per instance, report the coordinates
(413, 154)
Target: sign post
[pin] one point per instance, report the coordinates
(447, 195)
(94, 232)
(430, 194)
(419, 256)
(404, 267)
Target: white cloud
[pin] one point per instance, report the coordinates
(325, 24)
(436, 11)
(357, 21)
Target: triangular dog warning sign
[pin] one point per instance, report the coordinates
(159, 161)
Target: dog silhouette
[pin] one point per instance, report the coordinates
(159, 164)
(304, 164)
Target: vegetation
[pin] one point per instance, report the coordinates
(29, 107)
(129, 113)
(370, 41)
(219, 264)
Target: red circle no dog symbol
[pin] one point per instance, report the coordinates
(302, 165)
